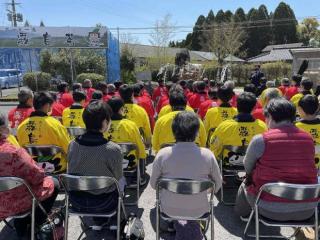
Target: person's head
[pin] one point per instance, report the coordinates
(296, 79)
(229, 84)
(96, 116)
(212, 83)
(25, 97)
(117, 85)
(136, 89)
(63, 87)
(183, 83)
(76, 87)
(87, 83)
(161, 82)
(185, 126)
(279, 110)
(250, 88)
(43, 102)
(308, 106)
(97, 95)
(246, 102)
(111, 89)
(177, 100)
(102, 86)
(271, 93)
(285, 82)
(213, 93)
(270, 84)
(4, 129)
(225, 94)
(257, 67)
(201, 86)
(116, 104)
(306, 84)
(79, 96)
(126, 93)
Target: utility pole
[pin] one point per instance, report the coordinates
(13, 16)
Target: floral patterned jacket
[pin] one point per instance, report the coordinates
(16, 162)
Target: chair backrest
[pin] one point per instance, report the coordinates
(127, 147)
(236, 154)
(167, 145)
(10, 183)
(184, 186)
(76, 131)
(294, 192)
(86, 183)
(43, 150)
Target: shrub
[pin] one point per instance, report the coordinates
(37, 81)
(95, 78)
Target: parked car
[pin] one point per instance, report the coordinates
(10, 78)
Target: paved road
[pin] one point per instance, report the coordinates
(227, 226)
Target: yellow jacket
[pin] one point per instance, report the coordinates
(140, 117)
(163, 134)
(126, 131)
(312, 127)
(234, 133)
(262, 97)
(296, 98)
(168, 109)
(12, 139)
(40, 129)
(72, 117)
(217, 115)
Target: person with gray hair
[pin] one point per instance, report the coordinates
(24, 108)
(270, 84)
(88, 89)
(270, 93)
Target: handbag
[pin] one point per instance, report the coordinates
(52, 228)
(133, 229)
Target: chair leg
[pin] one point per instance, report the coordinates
(316, 227)
(257, 222)
(212, 221)
(7, 224)
(221, 190)
(157, 220)
(119, 217)
(33, 218)
(66, 220)
(138, 181)
(248, 223)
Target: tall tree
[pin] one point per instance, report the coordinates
(264, 27)
(308, 30)
(26, 23)
(228, 15)
(220, 16)
(239, 15)
(42, 24)
(252, 43)
(284, 24)
(198, 34)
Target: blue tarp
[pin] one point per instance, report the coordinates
(113, 59)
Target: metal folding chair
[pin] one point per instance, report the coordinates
(167, 145)
(89, 183)
(43, 152)
(185, 187)
(234, 165)
(126, 148)
(293, 192)
(76, 131)
(10, 183)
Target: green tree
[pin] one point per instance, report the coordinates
(42, 24)
(308, 30)
(26, 23)
(284, 25)
(198, 38)
(210, 18)
(253, 31)
(239, 15)
(228, 15)
(220, 16)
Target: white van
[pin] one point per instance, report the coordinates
(10, 78)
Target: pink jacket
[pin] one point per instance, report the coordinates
(16, 162)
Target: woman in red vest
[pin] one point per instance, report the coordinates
(282, 154)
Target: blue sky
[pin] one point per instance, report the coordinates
(139, 13)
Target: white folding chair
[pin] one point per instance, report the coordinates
(126, 148)
(89, 183)
(232, 167)
(185, 187)
(10, 183)
(42, 152)
(292, 192)
(76, 131)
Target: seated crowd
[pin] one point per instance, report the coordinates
(187, 124)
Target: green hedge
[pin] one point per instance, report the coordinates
(95, 78)
(37, 81)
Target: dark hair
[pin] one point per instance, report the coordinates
(225, 94)
(97, 95)
(280, 109)
(169, 85)
(136, 89)
(177, 100)
(79, 96)
(309, 104)
(24, 95)
(94, 114)
(246, 102)
(126, 92)
(41, 99)
(297, 79)
(212, 83)
(250, 88)
(115, 104)
(183, 83)
(62, 87)
(118, 85)
(213, 93)
(102, 86)
(201, 86)
(307, 84)
(76, 86)
(185, 126)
